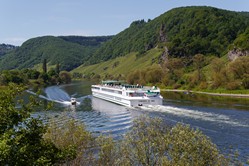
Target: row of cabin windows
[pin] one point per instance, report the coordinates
(112, 91)
(135, 94)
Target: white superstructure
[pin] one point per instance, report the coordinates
(127, 95)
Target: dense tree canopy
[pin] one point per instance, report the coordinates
(63, 50)
(185, 31)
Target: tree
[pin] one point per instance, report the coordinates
(44, 77)
(21, 136)
(134, 77)
(153, 74)
(57, 68)
(239, 67)
(217, 65)
(174, 68)
(150, 142)
(199, 62)
(9, 115)
(65, 77)
(33, 74)
(44, 65)
(13, 76)
(219, 73)
(239, 71)
(73, 138)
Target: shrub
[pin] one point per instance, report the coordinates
(72, 138)
(150, 142)
(176, 86)
(65, 77)
(233, 85)
(203, 85)
(245, 81)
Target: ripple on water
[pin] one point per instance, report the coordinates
(224, 125)
(102, 117)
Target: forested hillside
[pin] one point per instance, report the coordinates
(5, 48)
(242, 41)
(86, 41)
(189, 47)
(185, 31)
(179, 33)
(69, 52)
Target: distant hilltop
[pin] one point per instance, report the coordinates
(5, 48)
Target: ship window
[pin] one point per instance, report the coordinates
(112, 91)
(108, 90)
(143, 101)
(136, 94)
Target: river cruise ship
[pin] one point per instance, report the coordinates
(127, 95)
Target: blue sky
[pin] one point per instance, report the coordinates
(25, 19)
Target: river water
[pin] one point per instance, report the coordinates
(224, 119)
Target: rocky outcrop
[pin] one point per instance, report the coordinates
(162, 35)
(164, 57)
(235, 53)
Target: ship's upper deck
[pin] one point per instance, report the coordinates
(120, 85)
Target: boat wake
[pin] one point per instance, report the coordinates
(196, 114)
(40, 96)
(55, 94)
(101, 118)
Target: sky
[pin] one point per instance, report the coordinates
(25, 19)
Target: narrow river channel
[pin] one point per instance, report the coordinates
(224, 119)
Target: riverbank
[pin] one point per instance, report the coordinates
(207, 93)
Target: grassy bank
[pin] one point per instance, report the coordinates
(121, 65)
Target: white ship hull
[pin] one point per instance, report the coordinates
(131, 97)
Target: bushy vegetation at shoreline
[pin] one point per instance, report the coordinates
(205, 73)
(35, 78)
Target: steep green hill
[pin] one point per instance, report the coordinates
(63, 50)
(185, 31)
(5, 48)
